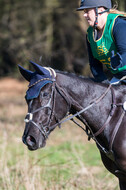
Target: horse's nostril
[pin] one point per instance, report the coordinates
(30, 141)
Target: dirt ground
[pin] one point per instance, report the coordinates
(12, 87)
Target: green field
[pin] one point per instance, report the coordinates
(68, 161)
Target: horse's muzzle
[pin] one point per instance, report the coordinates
(31, 142)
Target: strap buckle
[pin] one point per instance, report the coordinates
(28, 117)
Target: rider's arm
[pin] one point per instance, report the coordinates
(95, 66)
(119, 34)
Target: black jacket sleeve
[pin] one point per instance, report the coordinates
(119, 34)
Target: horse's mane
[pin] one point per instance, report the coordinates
(73, 75)
(90, 79)
(81, 77)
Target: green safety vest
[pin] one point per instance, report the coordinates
(102, 48)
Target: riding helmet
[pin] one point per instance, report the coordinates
(87, 4)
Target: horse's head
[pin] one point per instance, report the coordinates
(46, 106)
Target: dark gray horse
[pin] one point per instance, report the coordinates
(53, 96)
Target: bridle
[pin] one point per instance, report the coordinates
(45, 129)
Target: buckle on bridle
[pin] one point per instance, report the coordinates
(28, 117)
(124, 105)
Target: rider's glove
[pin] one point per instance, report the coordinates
(116, 60)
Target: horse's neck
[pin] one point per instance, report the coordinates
(83, 92)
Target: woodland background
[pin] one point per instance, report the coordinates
(51, 33)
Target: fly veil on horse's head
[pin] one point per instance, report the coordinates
(37, 80)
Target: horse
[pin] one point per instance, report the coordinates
(54, 97)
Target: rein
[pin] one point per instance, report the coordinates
(87, 108)
(109, 153)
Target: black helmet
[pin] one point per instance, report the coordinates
(87, 4)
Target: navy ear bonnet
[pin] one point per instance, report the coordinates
(37, 79)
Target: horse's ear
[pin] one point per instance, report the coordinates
(40, 70)
(25, 73)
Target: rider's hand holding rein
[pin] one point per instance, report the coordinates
(106, 39)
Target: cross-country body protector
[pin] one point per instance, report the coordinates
(102, 48)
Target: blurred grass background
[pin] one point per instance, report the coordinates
(68, 162)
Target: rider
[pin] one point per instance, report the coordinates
(106, 38)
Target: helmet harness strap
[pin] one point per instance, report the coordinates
(96, 21)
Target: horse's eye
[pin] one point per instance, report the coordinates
(45, 94)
